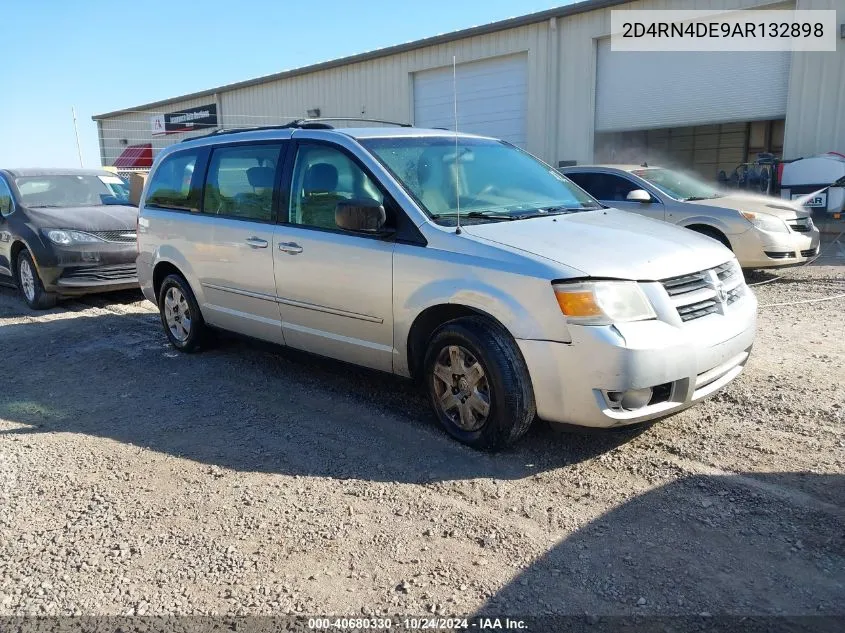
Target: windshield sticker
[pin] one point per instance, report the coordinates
(110, 180)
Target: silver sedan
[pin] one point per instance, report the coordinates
(763, 232)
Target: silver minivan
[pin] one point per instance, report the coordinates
(459, 260)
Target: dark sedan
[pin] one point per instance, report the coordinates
(65, 232)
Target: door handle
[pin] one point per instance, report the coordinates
(256, 242)
(291, 248)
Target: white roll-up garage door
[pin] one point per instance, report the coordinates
(642, 90)
(492, 98)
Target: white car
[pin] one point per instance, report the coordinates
(763, 232)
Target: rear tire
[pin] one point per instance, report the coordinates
(714, 234)
(478, 383)
(180, 315)
(29, 283)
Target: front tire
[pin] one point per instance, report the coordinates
(478, 383)
(180, 315)
(29, 283)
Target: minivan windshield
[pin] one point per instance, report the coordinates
(487, 180)
(677, 184)
(71, 190)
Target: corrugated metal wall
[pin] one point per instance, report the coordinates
(815, 109)
(561, 87)
(382, 88)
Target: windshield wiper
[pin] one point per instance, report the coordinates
(542, 212)
(487, 215)
(696, 198)
(45, 206)
(545, 212)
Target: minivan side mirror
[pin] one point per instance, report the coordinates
(638, 195)
(361, 216)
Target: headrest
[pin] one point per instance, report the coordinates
(320, 178)
(260, 176)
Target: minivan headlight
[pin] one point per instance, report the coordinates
(66, 236)
(766, 222)
(603, 302)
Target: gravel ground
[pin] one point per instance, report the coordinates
(254, 480)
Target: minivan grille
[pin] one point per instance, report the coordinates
(698, 309)
(127, 235)
(706, 292)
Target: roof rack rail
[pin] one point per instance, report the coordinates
(352, 118)
(301, 124)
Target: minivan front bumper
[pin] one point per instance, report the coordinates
(583, 382)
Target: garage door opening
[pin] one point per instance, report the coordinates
(492, 98)
(703, 149)
(704, 112)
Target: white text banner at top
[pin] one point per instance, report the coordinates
(752, 30)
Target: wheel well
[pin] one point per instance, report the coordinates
(162, 270)
(427, 322)
(17, 247)
(710, 231)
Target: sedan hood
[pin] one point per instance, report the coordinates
(111, 217)
(783, 209)
(608, 243)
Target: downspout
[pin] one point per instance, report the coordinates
(553, 101)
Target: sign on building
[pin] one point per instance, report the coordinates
(187, 120)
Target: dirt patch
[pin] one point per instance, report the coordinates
(253, 480)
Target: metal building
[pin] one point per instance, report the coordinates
(547, 82)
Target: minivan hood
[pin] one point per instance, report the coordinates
(783, 209)
(111, 217)
(608, 243)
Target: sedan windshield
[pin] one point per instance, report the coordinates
(71, 190)
(486, 180)
(677, 184)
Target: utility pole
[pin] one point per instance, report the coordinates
(76, 131)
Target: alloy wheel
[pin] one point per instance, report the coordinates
(27, 276)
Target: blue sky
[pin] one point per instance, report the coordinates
(103, 56)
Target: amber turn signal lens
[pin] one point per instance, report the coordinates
(579, 303)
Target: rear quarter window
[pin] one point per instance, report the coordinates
(175, 184)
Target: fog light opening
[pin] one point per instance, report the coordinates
(634, 399)
(629, 400)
